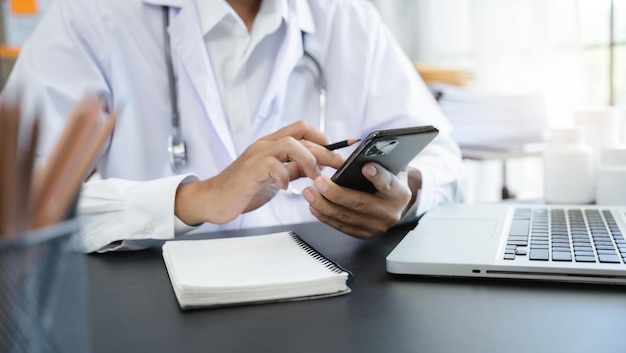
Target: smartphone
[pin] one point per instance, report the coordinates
(393, 149)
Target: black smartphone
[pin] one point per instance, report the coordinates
(393, 149)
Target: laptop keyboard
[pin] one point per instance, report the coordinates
(566, 235)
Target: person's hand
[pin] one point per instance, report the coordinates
(361, 214)
(266, 166)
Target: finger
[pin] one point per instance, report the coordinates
(277, 172)
(324, 156)
(353, 230)
(295, 171)
(387, 184)
(289, 149)
(343, 219)
(299, 130)
(358, 201)
(375, 208)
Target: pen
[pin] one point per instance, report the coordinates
(337, 145)
(341, 144)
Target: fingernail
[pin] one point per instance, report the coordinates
(318, 172)
(371, 170)
(308, 195)
(320, 184)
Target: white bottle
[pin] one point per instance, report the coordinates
(611, 177)
(569, 168)
(602, 127)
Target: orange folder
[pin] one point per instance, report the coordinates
(24, 7)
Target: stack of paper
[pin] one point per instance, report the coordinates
(492, 120)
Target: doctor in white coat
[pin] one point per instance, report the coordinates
(249, 113)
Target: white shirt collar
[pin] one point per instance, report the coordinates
(212, 12)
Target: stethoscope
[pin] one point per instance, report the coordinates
(176, 146)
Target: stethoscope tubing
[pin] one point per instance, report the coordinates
(176, 145)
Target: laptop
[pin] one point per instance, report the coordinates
(519, 241)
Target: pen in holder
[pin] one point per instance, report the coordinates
(43, 292)
(43, 286)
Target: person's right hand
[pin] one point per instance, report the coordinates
(266, 166)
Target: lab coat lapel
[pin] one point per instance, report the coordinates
(287, 57)
(188, 45)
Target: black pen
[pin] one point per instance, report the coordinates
(337, 145)
(341, 144)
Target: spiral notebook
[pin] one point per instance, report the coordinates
(253, 269)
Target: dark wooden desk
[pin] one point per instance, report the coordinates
(133, 309)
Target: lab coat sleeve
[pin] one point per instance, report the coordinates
(128, 215)
(66, 57)
(397, 92)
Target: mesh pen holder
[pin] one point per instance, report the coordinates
(43, 292)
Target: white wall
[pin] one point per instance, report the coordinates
(511, 46)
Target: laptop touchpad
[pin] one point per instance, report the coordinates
(457, 240)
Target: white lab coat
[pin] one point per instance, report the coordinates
(114, 48)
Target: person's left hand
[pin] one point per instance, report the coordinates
(361, 214)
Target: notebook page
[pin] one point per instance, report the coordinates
(249, 262)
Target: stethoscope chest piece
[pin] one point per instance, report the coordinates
(178, 152)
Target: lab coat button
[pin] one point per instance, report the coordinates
(149, 227)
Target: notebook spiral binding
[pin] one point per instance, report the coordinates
(330, 264)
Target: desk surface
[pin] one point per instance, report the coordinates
(133, 309)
